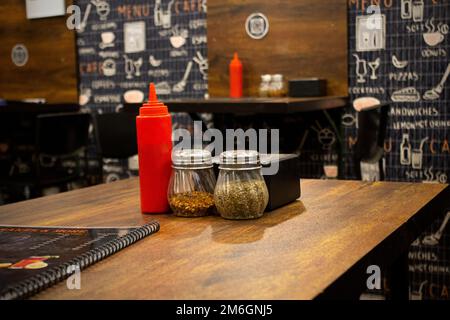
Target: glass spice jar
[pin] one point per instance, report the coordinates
(277, 86)
(191, 186)
(265, 85)
(241, 192)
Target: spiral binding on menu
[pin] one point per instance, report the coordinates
(48, 278)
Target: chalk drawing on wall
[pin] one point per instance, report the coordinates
(179, 36)
(202, 64)
(103, 9)
(399, 64)
(132, 67)
(179, 87)
(435, 92)
(109, 67)
(370, 32)
(434, 238)
(435, 34)
(154, 62)
(409, 94)
(107, 40)
(134, 36)
(412, 9)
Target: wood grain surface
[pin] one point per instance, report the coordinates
(295, 252)
(51, 71)
(307, 38)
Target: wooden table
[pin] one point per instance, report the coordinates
(319, 246)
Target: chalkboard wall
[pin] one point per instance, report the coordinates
(123, 45)
(401, 56)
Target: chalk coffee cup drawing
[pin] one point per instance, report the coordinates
(177, 41)
(107, 40)
(435, 34)
(433, 38)
(178, 38)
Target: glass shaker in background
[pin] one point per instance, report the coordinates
(277, 87)
(264, 87)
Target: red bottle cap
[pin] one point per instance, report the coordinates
(153, 107)
(235, 61)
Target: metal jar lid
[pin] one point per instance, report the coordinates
(192, 159)
(240, 159)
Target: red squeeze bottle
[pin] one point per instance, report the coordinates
(235, 77)
(154, 137)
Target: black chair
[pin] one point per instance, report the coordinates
(369, 149)
(115, 136)
(59, 137)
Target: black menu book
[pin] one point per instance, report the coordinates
(35, 258)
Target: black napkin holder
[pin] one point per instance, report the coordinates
(308, 87)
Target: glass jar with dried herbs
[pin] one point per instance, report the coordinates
(241, 192)
(191, 187)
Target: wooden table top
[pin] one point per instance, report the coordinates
(250, 105)
(296, 252)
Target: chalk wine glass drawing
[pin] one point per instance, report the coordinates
(132, 67)
(374, 65)
(435, 92)
(361, 69)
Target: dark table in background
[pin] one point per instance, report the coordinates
(258, 113)
(18, 129)
(250, 105)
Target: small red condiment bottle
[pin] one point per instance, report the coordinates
(154, 137)
(235, 77)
